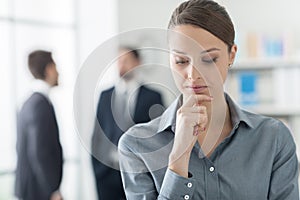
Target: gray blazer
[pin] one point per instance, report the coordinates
(39, 165)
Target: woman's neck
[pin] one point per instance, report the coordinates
(219, 113)
(218, 126)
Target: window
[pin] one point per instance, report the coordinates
(37, 24)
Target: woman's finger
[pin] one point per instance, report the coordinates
(195, 99)
(193, 109)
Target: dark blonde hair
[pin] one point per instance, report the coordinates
(205, 14)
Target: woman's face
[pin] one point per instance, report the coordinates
(199, 60)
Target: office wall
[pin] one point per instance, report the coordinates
(26, 26)
(96, 23)
(264, 15)
(269, 18)
(134, 15)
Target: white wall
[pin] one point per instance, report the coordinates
(271, 18)
(139, 14)
(264, 15)
(96, 23)
(142, 13)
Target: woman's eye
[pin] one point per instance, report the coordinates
(181, 61)
(209, 60)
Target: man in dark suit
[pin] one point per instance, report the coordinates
(39, 165)
(119, 107)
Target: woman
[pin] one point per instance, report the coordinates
(204, 146)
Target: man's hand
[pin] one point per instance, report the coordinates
(56, 196)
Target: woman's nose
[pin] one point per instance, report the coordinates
(193, 73)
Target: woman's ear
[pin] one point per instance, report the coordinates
(232, 53)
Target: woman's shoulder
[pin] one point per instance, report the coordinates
(270, 126)
(263, 120)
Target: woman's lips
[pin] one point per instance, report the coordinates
(196, 88)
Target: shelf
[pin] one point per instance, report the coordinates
(275, 82)
(266, 63)
(274, 110)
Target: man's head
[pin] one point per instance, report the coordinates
(129, 58)
(43, 67)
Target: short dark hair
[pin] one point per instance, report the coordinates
(205, 14)
(38, 61)
(132, 50)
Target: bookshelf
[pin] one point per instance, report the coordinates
(274, 82)
(274, 89)
(266, 63)
(280, 111)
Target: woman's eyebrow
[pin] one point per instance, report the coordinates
(202, 52)
(209, 50)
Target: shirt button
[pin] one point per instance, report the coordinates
(211, 169)
(186, 197)
(189, 185)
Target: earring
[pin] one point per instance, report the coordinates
(230, 66)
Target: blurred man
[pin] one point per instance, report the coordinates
(119, 107)
(39, 166)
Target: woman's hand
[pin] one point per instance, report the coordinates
(190, 122)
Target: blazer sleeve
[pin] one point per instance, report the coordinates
(44, 150)
(97, 131)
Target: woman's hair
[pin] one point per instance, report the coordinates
(205, 14)
(38, 61)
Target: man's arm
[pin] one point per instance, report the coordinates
(44, 150)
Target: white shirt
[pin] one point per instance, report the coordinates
(42, 87)
(131, 87)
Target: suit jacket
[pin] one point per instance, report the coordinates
(106, 136)
(39, 165)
